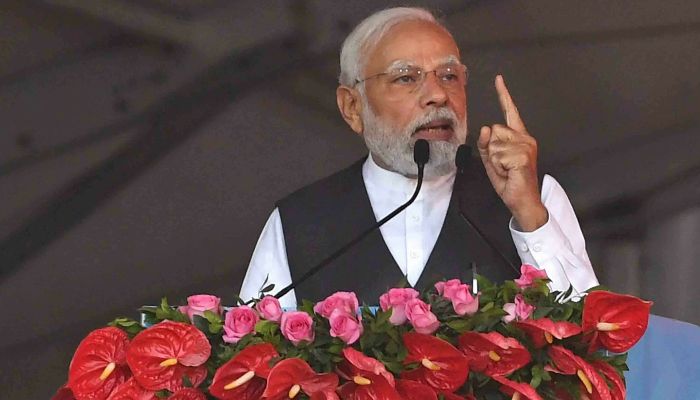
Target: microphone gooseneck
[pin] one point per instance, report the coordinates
(421, 155)
(462, 160)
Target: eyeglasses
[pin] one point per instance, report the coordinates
(407, 79)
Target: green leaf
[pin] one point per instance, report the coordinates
(237, 301)
(382, 317)
(201, 323)
(215, 323)
(128, 325)
(267, 288)
(541, 312)
(307, 307)
(537, 375)
(266, 328)
(459, 325)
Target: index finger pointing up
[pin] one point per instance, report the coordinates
(510, 111)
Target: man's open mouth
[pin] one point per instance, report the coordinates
(439, 129)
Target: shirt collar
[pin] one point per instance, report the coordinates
(379, 178)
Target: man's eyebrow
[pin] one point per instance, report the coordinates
(451, 59)
(400, 64)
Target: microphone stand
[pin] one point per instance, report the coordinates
(421, 157)
(462, 161)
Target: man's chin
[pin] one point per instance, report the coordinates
(439, 170)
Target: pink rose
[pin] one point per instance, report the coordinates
(345, 326)
(440, 286)
(460, 295)
(395, 299)
(528, 274)
(297, 326)
(269, 308)
(198, 304)
(418, 313)
(239, 322)
(518, 311)
(346, 301)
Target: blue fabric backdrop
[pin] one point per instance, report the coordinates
(665, 364)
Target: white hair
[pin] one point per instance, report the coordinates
(368, 33)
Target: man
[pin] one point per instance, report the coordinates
(402, 80)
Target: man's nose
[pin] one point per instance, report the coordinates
(431, 91)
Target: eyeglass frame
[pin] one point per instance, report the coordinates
(421, 72)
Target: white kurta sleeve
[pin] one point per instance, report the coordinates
(269, 263)
(558, 246)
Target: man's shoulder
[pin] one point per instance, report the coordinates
(337, 184)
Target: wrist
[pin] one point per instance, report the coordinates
(531, 217)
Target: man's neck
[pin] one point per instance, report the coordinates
(381, 164)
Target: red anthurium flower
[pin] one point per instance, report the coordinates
(518, 390)
(543, 331)
(244, 377)
(131, 390)
(442, 366)
(64, 393)
(617, 389)
(492, 353)
(188, 394)
(292, 376)
(615, 321)
(568, 363)
(99, 364)
(412, 390)
(163, 354)
(368, 379)
(563, 361)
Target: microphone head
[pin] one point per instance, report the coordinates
(421, 152)
(462, 157)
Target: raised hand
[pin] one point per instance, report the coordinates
(509, 154)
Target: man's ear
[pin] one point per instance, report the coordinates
(350, 106)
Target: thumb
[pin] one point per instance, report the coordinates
(483, 142)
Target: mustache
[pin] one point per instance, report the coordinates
(439, 114)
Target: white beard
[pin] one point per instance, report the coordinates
(393, 146)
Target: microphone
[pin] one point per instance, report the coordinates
(421, 155)
(462, 161)
(462, 157)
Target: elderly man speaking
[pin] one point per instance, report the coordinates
(402, 80)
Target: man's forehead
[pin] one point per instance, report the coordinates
(414, 43)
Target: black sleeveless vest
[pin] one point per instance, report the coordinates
(322, 217)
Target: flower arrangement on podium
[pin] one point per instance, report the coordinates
(517, 340)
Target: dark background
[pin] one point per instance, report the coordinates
(144, 142)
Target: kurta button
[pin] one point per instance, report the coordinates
(523, 247)
(537, 247)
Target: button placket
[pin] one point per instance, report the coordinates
(414, 251)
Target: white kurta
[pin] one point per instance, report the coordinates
(558, 246)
